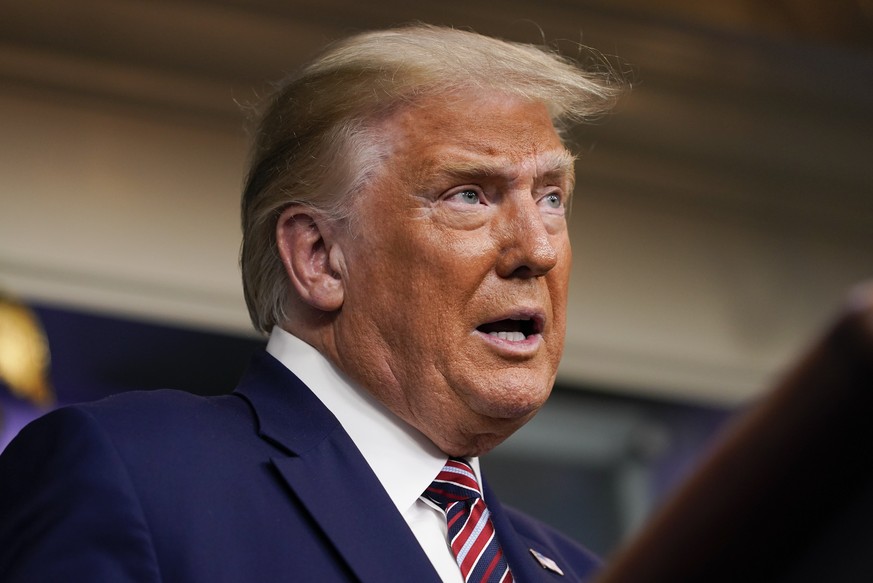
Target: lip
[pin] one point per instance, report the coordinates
(517, 348)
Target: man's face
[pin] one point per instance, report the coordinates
(455, 283)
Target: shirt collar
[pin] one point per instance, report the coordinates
(403, 459)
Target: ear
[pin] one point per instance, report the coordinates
(311, 258)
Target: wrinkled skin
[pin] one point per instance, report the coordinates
(463, 232)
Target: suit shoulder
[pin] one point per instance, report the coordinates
(158, 400)
(139, 422)
(163, 408)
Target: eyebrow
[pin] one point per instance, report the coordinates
(553, 164)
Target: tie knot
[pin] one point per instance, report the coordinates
(455, 483)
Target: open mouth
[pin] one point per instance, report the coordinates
(514, 329)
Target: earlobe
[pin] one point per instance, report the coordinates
(311, 258)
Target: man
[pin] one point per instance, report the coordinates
(405, 245)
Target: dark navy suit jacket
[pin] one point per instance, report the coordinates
(259, 485)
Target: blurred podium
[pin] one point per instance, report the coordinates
(787, 495)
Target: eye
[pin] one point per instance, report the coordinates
(468, 196)
(553, 200)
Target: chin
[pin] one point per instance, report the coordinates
(487, 413)
(476, 444)
(478, 430)
(511, 399)
(513, 413)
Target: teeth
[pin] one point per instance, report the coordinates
(514, 336)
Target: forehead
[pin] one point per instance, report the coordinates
(491, 135)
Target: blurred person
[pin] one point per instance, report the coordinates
(405, 246)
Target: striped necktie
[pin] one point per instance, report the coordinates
(471, 534)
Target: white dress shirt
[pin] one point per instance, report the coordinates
(403, 459)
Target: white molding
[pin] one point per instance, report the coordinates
(128, 297)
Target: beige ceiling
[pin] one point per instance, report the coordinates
(244, 42)
(840, 22)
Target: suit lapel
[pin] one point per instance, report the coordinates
(330, 477)
(352, 508)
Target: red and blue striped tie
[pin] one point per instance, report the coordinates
(471, 534)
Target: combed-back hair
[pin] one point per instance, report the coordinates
(316, 142)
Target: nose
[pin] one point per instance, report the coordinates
(527, 248)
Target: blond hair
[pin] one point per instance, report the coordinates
(316, 144)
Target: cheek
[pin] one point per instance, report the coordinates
(559, 283)
(450, 261)
(406, 286)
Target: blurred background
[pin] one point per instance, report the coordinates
(720, 216)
